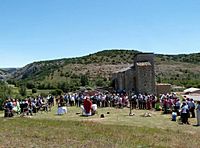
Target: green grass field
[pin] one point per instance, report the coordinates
(117, 129)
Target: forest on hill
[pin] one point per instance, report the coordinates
(96, 70)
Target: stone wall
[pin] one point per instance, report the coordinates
(129, 77)
(163, 89)
(145, 80)
(119, 80)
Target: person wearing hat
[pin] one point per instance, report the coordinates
(198, 113)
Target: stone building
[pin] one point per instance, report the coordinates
(139, 77)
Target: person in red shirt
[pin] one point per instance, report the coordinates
(87, 105)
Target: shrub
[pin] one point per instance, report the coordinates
(56, 92)
(34, 90)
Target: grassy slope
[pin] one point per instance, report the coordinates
(116, 130)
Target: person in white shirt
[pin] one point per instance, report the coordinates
(177, 107)
(184, 113)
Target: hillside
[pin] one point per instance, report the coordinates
(97, 68)
(6, 72)
(3, 74)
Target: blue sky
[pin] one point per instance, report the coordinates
(34, 30)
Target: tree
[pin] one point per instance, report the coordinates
(99, 82)
(34, 90)
(5, 92)
(22, 90)
(84, 80)
(30, 85)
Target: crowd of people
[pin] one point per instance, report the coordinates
(167, 103)
(88, 103)
(27, 106)
(100, 99)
